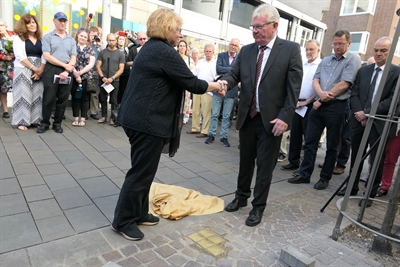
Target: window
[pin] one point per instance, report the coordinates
(359, 41)
(350, 7)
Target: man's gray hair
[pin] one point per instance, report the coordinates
(266, 10)
(209, 45)
(384, 38)
(195, 50)
(314, 41)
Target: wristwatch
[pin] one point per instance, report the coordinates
(101, 77)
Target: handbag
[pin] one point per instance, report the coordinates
(92, 86)
(114, 114)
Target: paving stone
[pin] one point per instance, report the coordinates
(45, 209)
(38, 192)
(54, 228)
(86, 218)
(15, 258)
(99, 187)
(113, 172)
(18, 231)
(192, 264)
(112, 256)
(224, 262)
(51, 169)
(130, 262)
(177, 260)
(9, 186)
(165, 251)
(244, 263)
(177, 245)
(325, 258)
(111, 264)
(60, 181)
(129, 250)
(65, 200)
(205, 258)
(146, 256)
(12, 204)
(107, 205)
(68, 250)
(45, 159)
(158, 263)
(82, 170)
(26, 180)
(144, 245)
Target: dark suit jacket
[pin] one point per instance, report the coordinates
(280, 82)
(359, 94)
(153, 95)
(223, 67)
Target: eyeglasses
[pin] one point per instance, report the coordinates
(112, 40)
(179, 30)
(259, 27)
(233, 45)
(142, 39)
(208, 52)
(339, 44)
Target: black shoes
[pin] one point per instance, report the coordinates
(369, 203)
(225, 142)
(298, 180)
(254, 218)
(42, 129)
(94, 116)
(235, 205)
(321, 185)
(57, 128)
(289, 167)
(133, 235)
(149, 220)
(210, 139)
(6, 115)
(343, 191)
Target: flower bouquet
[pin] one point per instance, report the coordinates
(9, 46)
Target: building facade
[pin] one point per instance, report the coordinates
(205, 21)
(366, 20)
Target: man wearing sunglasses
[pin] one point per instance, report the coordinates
(142, 38)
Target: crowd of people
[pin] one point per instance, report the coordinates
(277, 92)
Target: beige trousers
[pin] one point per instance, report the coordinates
(203, 103)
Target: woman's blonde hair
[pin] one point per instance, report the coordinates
(162, 23)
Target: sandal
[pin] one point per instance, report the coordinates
(381, 192)
(82, 124)
(22, 128)
(75, 123)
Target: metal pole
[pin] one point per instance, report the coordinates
(364, 140)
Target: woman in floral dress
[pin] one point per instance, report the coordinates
(6, 65)
(82, 73)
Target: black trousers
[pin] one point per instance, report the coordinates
(123, 81)
(357, 132)
(80, 106)
(103, 98)
(54, 94)
(133, 201)
(297, 131)
(256, 145)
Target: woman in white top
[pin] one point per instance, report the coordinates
(183, 49)
(28, 68)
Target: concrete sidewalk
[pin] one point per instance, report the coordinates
(58, 193)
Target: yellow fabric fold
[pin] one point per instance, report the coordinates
(175, 202)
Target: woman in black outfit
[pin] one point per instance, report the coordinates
(149, 114)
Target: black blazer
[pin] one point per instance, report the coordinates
(154, 91)
(359, 93)
(280, 82)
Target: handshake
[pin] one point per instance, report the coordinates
(223, 88)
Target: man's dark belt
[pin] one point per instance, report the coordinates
(336, 101)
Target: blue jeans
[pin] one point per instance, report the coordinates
(331, 116)
(226, 112)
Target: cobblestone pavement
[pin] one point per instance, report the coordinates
(58, 193)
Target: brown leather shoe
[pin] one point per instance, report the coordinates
(201, 135)
(338, 170)
(191, 132)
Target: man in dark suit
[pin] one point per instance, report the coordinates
(270, 71)
(362, 96)
(224, 62)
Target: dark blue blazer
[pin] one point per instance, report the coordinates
(223, 67)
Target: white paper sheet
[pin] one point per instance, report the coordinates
(302, 111)
(107, 87)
